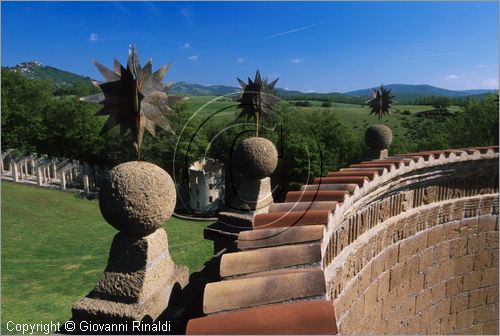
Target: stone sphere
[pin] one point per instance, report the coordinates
(137, 197)
(378, 137)
(256, 157)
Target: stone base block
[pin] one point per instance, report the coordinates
(137, 283)
(254, 195)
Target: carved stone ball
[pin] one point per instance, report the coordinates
(137, 197)
(256, 157)
(378, 137)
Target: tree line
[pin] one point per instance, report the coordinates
(38, 118)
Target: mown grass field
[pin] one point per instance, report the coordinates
(355, 116)
(55, 246)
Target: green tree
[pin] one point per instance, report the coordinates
(24, 103)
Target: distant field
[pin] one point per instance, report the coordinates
(355, 116)
(55, 247)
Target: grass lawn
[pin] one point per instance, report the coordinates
(55, 246)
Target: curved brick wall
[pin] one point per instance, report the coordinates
(402, 245)
(440, 280)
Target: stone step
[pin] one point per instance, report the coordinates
(289, 219)
(250, 292)
(359, 180)
(279, 236)
(302, 318)
(319, 195)
(368, 174)
(270, 258)
(349, 187)
(301, 206)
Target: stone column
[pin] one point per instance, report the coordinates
(25, 164)
(52, 168)
(86, 185)
(15, 172)
(63, 180)
(140, 275)
(39, 176)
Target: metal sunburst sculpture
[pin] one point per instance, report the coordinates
(381, 101)
(258, 99)
(134, 98)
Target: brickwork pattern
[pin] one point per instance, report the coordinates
(441, 280)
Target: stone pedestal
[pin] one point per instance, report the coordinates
(137, 282)
(254, 195)
(15, 172)
(375, 154)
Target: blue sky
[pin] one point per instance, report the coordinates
(310, 46)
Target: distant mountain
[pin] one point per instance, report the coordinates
(409, 92)
(36, 69)
(188, 89)
(403, 92)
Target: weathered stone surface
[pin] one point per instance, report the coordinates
(254, 195)
(269, 258)
(95, 309)
(241, 293)
(137, 282)
(137, 268)
(303, 318)
(137, 197)
(256, 157)
(378, 137)
(279, 236)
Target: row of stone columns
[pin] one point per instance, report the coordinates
(44, 171)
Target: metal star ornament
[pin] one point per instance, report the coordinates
(134, 98)
(258, 99)
(381, 101)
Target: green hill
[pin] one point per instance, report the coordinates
(59, 77)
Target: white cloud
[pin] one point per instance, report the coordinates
(311, 91)
(186, 45)
(93, 37)
(240, 60)
(490, 83)
(194, 57)
(451, 77)
(481, 66)
(296, 60)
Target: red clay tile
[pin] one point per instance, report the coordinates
(316, 195)
(288, 219)
(303, 318)
(369, 174)
(359, 180)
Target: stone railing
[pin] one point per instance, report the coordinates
(43, 171)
